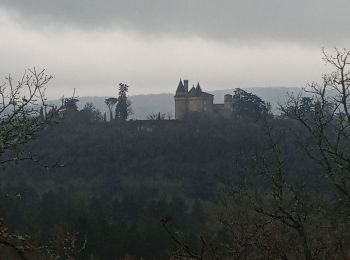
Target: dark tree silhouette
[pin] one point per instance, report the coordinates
(123, 108)
(110, 102)
(248, 105)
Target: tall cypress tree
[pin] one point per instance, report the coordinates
(122, 109)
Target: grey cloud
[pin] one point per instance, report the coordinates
(316, 21)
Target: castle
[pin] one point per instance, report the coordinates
(197, 101)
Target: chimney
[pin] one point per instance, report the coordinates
(228, 98)
(228, 102)
(186, 85)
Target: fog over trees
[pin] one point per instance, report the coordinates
(252, 185)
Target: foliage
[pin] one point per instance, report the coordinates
(110, 102)
(248, 105)
(90, 114)
(123, 107)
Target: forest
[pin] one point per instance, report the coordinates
(256, 185)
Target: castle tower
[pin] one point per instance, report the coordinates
(228, 100)
(181, 100)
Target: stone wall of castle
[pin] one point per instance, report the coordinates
(199, 104)
(181, 104)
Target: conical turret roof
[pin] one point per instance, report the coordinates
(192, 92)
(181, 87)
(198, 90)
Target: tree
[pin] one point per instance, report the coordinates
(90, 113)
(327, 126)
(23, 111)
(110, 102)
(328, 119)
(123, 108)
(70, 105)
(248, 105)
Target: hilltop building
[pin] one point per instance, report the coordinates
(197, 101)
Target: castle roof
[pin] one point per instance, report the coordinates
(192, 92)
(205, 94)
(197, 92)
(181, 87)
(182, 90)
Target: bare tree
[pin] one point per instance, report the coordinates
(284, 202)
(326, 118)
(23, 111)
(184, 251)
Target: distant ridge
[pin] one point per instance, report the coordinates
(144, 105)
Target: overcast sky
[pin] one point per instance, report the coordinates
(149, 44)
